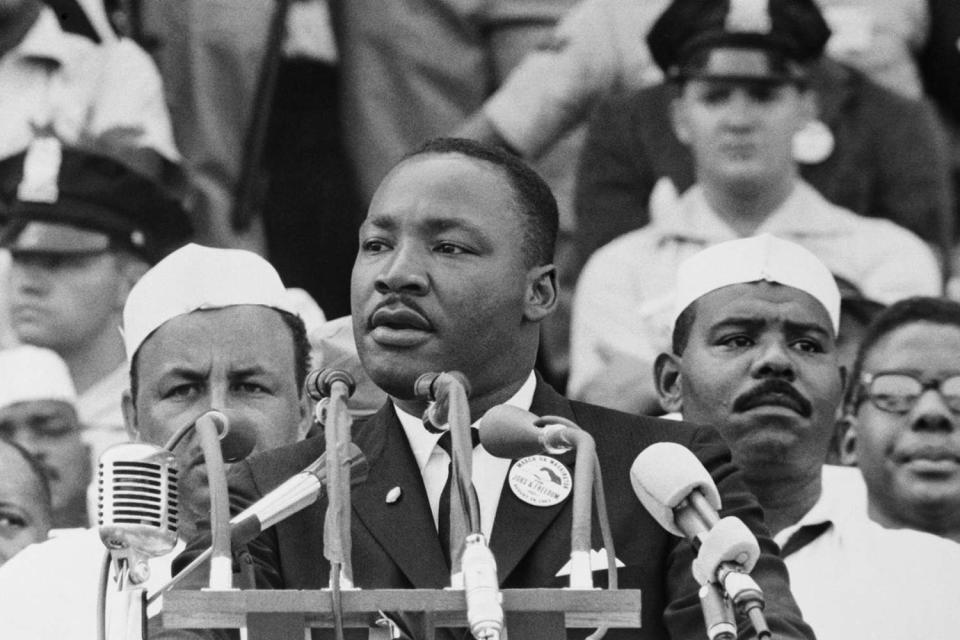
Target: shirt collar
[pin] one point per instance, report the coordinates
(842, 498)
(422, 442)
(804, 213)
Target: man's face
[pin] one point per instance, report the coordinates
(440, 282)
(238, 359)
(64, 301)
(740, 132)
(50, 430)
(23, 517)
(911, 461)
(761, 365)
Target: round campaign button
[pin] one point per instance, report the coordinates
(813, 144)
(540, 480)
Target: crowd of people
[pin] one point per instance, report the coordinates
(725, 224)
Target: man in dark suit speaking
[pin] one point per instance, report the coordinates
(455, 272)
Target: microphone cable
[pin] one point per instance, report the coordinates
(600, 503)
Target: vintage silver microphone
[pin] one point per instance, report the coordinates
(138, 506)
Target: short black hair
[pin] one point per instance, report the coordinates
(682, 328)
(301, 353)
(533, 197)
(37, 470)
(904, 312)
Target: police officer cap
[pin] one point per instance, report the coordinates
(60, 199)
(760, 40)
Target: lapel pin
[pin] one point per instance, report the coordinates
(393, 495)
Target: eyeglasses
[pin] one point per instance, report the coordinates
(899, 392)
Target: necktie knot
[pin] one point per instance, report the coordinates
(445, 440)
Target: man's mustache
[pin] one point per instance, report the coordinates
(774, 392)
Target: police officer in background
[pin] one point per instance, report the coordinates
(83, 226)
(743, 104)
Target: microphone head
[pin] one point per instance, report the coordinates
(238, 434)
(510, 432)
(663, 475)
(433, 386)
(138, 502)
(319, 381)
(239, 440)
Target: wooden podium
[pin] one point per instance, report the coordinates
(530, 614)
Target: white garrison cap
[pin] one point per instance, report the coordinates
(763, 257)
(30, 373)
(194, 278)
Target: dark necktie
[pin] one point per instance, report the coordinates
(443, 511)
(803, 536)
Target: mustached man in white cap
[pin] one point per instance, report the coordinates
(744, 108)
(754, 353)
(38, 412)
(203, 329)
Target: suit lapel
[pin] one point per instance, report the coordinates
(518, 525)
(404, 528)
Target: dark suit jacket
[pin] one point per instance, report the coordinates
(890, 159)
(396, 545)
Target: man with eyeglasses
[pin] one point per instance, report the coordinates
(902, 415)
(754, 353)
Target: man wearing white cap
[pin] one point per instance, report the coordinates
(742, 97)
(38, 412)
(754, 353)
(203, 329)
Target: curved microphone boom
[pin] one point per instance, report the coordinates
(676, 489)
(293, 495)
(511, 432)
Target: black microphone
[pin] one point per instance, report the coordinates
(435, 388)
(238, 435)
(291, 496)
(319, 382)
(511, 432)
(676, 489)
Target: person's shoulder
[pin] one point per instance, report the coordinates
(610, 424)
(69, 548)
(625, 248)
(298, 454)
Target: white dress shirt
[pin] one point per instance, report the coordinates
(860, 580)
(489, 472)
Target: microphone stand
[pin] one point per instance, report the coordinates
(472, 565)
(221, 561)
(335, 387)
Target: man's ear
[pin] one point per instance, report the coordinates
(848, 440)
(667, 377)
(543, 292)
(306, 416)
(678, 118)
(129, 416)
